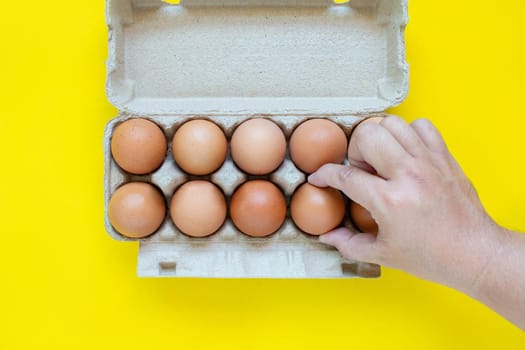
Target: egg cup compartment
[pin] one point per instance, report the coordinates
(231, 60)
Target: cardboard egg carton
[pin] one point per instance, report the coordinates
(229, 61)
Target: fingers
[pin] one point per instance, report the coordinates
(376, 146)
(430, 136)
(360, 246)
(435, 143)
(405, 135)
(356, 183)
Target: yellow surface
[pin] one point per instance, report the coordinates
(66, 284)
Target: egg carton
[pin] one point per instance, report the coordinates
(230, 61)
(287, 253)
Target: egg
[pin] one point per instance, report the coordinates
(353, 154)
(258, 146)
(138, 146)
(136, 209)
(317, 210)
(317, 142)
(258, 208)
(198, 208)
(199, 147)
(362, 219)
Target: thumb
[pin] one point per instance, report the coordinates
(353, 246)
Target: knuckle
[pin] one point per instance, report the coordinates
(345, 177)
(440, 161)
(400, 199)
(346, 249)
(415, 172)
(384, 252)
(393, 199)
(362, 133)
(345, 174)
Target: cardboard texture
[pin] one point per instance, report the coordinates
(229, 61)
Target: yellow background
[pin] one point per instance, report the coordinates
(66, 284)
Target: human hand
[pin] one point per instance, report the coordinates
(431, 222)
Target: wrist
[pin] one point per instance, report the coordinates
(500, 284)
(481, 256)
(464, 263)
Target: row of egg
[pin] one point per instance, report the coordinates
(199, 147)
(257, 208)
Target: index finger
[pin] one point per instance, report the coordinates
(356, 183)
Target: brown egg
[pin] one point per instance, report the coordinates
(199, 147)
(258, 146)
(198, 208)
(258, 208)
(317, 210)
(138, 146)
(317, 142)
(137, 209)
(362, 219)
(353, 153)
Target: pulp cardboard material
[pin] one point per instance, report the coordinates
(229, 61)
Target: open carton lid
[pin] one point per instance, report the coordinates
(256, 56)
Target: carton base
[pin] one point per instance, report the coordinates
(251, 260)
